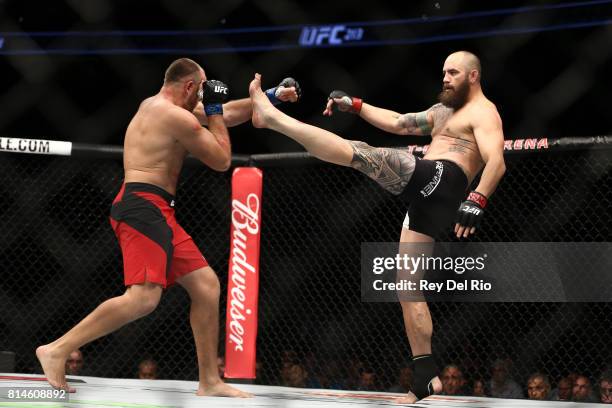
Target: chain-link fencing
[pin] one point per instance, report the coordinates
(60, 259)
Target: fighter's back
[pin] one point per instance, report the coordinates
(152, 153)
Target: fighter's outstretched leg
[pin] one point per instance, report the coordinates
(391, 168)
(320, 143)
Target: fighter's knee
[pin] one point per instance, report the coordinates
(358, 153)
(212, 286)
(149, 304)
(144, 300)
(208, 284)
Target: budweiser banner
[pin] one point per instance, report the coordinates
(243, 277)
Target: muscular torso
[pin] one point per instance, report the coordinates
(151, 153)
(453, 137)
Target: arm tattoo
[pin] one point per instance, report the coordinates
(416, 123)
(421, 120)
(391, 168)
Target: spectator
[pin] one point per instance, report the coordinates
(404, 382)
(501, 385)
(478, 388)
(563, 392)
(285, 372)
(74, 363)
(288, 356)
(330, 377)
(147, 369)
(296, 376)
(452, 380)
(260, 375)
(355, 366)
(605, 387)
(572, 377)
(582, 390)
(538, 387)
(367, 380)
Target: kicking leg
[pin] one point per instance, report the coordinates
(391, 168)
(320, 143)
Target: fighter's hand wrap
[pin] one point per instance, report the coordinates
(216, 93)
(425, 370)
(348, 103)
(471, 211)
(274, 93)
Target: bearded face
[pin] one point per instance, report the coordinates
(455, 96)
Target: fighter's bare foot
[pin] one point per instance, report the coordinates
(222, 389)
(410, 398)
(263, 110)
(54, 367)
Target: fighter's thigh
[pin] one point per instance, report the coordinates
(410, 236)
(389, 167)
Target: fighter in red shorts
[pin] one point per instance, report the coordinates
(157, 252)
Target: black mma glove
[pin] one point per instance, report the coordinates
(215, 94)
(471, 211)
(348, 103)
(274, 93)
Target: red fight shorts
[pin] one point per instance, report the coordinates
(155, 247)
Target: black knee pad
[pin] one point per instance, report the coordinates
(425, 370)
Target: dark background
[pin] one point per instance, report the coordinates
(53, 212)
(552, 83)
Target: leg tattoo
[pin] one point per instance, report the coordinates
(391, 168)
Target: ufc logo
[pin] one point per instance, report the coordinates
(471, 210)
(220, 89)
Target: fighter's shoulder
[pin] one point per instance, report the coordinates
(440, 108)
(485, 110)
(485, 105)
(439, 111)
(166, 112)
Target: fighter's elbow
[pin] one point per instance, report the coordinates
(500, 168)
(224, 164)
(218, 163)
(221, 165)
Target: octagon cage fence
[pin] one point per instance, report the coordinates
(60, 259)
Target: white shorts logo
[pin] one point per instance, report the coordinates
(431, 186)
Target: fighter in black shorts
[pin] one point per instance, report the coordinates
(467, 138)
(433, 189)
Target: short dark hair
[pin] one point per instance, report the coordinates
(606, 376)
(544, 378)
(179, 69)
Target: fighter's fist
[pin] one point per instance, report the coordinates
(343, 101)
(470, 214)
(215, 94)
(287, 91)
